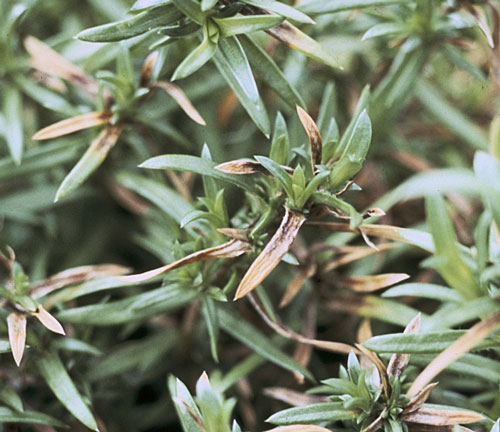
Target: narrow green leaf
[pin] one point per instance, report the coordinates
(243, 24)
(449, 262)
(192, 9)
(317, 413)
(146, 4)
(212, 321)
(425, 290)
(233, 65)
(11, 398)
(487, 169)
(185, 405)
(196, 165)
(270, 73)
(29, 417)
(134, 26)
(253, 338)
(63, 387)
(318, 7)
(384, 29)
(279, 173)
(207, 4)
(281, 9)
(13, 128)
(90, 161)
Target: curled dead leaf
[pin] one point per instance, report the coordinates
(380, 367)
(231, 249)
(270, 257)
(417, 401)
(16, 323)
(371, 283)
(297, 283)
(147, 68)
(437, 416)
(242, 166)
(48, 321)
(236, 234)
(73, 124)
(292, 397)
(398, 362)
(313, 135)
(182, 100)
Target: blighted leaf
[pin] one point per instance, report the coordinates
(398, 362)
(372, 283)
(418, 400)
(437, 415)
(73, 124)
(48, 320)
(270, 257)
(180, 97)
(462, 345)
(294, 38)
(231, 249)
(91, 160)
(46, 60)
(314, 136)
(242, 166)
(16, 323)
(63, 387)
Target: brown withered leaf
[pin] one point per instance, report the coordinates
(398, 362)
(299, 428)
(73, 124)
(371, 283)
(16, 323)
(231, 249)
(313, 135)
(297, 283)
(303, 352)
(242, 166)
(364, 331)
(435, 416)
(46, 60)
(462, 345)
(376, 424)
(182, 100)
(357, 253)
(234, 233)
(417, 401)
(292, 397)
(48, 321)
(270, 257)
(147, 68)
(75, 276)
(415, 427)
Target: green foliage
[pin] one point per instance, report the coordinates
(308, 122)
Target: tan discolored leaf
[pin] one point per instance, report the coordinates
(73, 124)
(313, 135)
(417, 401)
(435, 416)
(16, 323)
(357, 253)
(231, 249)
(376, 424)
(182, 100)
(242, 166)
(74, 276)
(236, 234)
(364, 331)
(297, 283)
(46, 60)
(48, 321)
(398, 362)
(379, 365)
(371, 283)
(292, 397)
(303, 352)
(147, 68)
(270, 257)
(299, 428)
(457, 349)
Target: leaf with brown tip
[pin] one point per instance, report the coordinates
(457, 349)
(46, 60)
(147, 68)
(231, 249)
(270, 257)
(182, 100)
(372, 283)
(297, 283)
(417, 401)
(292, 397)
(49, 321)
(436, 416)
(313, 135)
(379, 365)
(16, 323)
(73, 124)
(398, 362)
(242, 166)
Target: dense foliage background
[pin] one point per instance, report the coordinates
(332, 165)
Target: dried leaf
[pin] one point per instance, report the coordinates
(16, 323)
(463, 344)
(230, 249)
(364, 331)
(182, 100)
(376, 424)
(417, 401)
(296, 284)
(398, 362)
(431, 415)
(371, 283)
(292, 397)
(236, 234)
(48, 321)
(314, 136)
(380, 367)
(356, 254)
(242, 166)
(73, 124)
(46, 60)
(147, 68)
(299, 428)
(74, 276)
(270, 257)
(303, 352)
